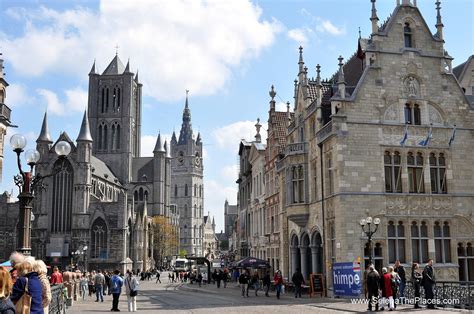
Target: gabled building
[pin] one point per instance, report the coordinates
(465, 75)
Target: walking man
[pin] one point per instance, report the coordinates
(298, 280)
(429, 282)
(244, 283)
(117, 283)
(158, 277)
(400, 270)
(99, 282)
(266, 282)
(373, 281)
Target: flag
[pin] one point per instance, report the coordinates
(405, 136)
(453, 135)
(426, 141)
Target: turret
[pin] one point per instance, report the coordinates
(258, 137)
(319, 93)
(43, 143)
(439, 23)
(374, 18)
(341, 83)
(84, 140)
(272, 94)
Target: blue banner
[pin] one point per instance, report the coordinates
(347, 280)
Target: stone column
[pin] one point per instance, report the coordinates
(314, 258)
(304, 265)
(294, 260)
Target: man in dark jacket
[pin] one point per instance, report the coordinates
(267, 282)
(400, 270)
(429, 282)
(244, 283)
(298, 280)
(373, 281)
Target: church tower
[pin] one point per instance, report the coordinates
(115, 116)
(187, 189)
(4, 113)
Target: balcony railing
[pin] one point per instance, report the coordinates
(296, 148)
(453, 294)
(326, 131)
(5, 113)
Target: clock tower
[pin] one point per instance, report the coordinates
(187, 188)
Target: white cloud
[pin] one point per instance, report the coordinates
(148, 143)
(300, 35)
(195, 44)
(17, 95)
(229, 136)
(76, 101)
(216, 194)
(326, 26)
(231, 172)
(281, 106)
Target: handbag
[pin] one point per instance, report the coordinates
(133, 292)
(23, 306)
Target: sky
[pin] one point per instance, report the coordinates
(227, 53)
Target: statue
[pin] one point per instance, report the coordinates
(411, 86)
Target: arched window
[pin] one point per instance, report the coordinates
(466, 262)
(297, 184)
(396, 242)
(195, 190)
(61, 218)
(175, 190)
(419, 242)
(412, 114)
(185, 210)
(200, 191)
(135, 196)
(393, 172)
(408, 35)
(116, 99)
(145, 196)
(115, 136)
(416, 182)
(140, 194)
(438, 174)
(102, 101)
(104, 137)
(107, 99)
(442, 242)
(99, 239)
(185, 190)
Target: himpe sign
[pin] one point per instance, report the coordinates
(347, 280)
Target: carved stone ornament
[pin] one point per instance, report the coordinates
(435, 116)
(392, 113)
(411, 86)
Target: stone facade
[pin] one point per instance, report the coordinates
(210, 241)
(346, 157)
(187, 185)
(5, 113)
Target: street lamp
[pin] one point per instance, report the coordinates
(27, 184)
(366, 224)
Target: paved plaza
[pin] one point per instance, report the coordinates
(187, 298)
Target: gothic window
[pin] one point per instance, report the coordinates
(412, 114)
(396, 242)
(185, 210)
(314, 167)
(200, 191)
(102, 101)
(107, 99)
(377, 256)
(442, 242)
(145, 194)
(99, 239)
(135, 197)
(195, 190)
(116, 99)
(407, 32)
(101, 133)
(175, 190)
(102, 136)
(466, 262)
(393, 172)
(185, 190)
(62, 197)
(416, 183)
(419, 242)
(438, 174)
(330, 174)
(115, 136)
(297, 184)
(140, 194)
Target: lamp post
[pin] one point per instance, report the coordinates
(366, 224)
(27, 184)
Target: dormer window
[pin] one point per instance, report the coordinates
(412, 114)
(408, 36)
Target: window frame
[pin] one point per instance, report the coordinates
(415, 172)
(391, 167)
(442, 242)
(399, 251)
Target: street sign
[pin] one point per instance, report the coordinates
(346, 279)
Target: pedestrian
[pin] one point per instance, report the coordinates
(373, 285)
(158, 277)
(386, 287)
(218, 278)
(107, 283)
(256, 282)
(172, 277)
(416, 278)
(225, 277)
(40, 267)
(199, 279)
(267, 282)
(26, 276)
(395, 284)
(6, 305)
(16, 258)
(169, 278)
(400, 270)
(278, 282)
(131, 289)
(117, 283)
(297, 280)
(84, 284)
(364, 280)
(429, 282)
(56, 276)
(99, 281)
(90, 282)
(244, 283)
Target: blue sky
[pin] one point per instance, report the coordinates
(227, 53)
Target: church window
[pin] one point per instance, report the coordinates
(466, 262)
(99, 239)
(145, 195)
(200, 191)
(115, 136)
(62, 197)
(419, 242)
(442, 242)
(175, 190)
(185, 190)
(102, 101)
(140, 194)
(135, 197)
(195, 190)
(104, 137)
(412, 114)
(116, 99)
(396, 242)
(195, 211)
(438, 174)
(107, 99)
(297, 184)
(408, 35)
(185, 210)
(416, 182)
(393, 172)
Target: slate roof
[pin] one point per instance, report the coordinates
(280, 122)
(101, 170)
(142, 166)
(115, 67)
(459, 70)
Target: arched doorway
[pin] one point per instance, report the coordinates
(305, 253)
(295, 254)
(317, 253)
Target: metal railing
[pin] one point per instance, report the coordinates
(58, 300)
(453, 294)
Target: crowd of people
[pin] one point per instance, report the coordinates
(388, 288)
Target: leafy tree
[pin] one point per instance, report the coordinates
(165, 239)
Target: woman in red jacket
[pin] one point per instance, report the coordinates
(387, 293)
(278, 281)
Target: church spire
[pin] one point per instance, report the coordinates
(93, 69)
(44, 134)
(439, 23)
(374, 18)
(159, 146)
(186, 132)
(258, 137)
(85, 132)
(341, 82)
(127, 67)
